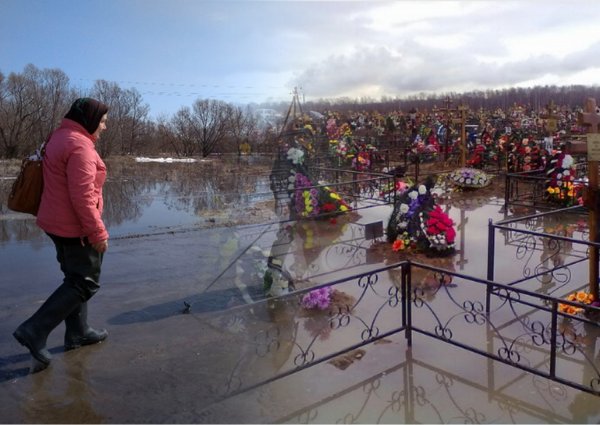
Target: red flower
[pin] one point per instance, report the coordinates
(450, 235)
(328, 207)
(333, 221)
(432, 230)
(439, 222)
(398, 245)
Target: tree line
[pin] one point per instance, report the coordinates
(33, 102)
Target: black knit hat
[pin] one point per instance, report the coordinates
(88, 112)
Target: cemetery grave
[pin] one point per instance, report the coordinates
(335, 260)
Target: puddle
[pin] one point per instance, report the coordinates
(190, 246)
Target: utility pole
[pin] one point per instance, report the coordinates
(292, 109)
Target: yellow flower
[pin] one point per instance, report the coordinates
(335, 196)
(343, 208)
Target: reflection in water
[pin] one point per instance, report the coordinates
(412, 386)
(49, 399)
(274, 336)
(192, 189)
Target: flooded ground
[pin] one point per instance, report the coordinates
(193, 339)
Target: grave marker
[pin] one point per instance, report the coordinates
(463, 132)
(448, 111)
(551, 118)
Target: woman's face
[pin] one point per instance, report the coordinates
(101, 126)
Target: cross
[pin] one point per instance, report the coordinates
(447, 109)
(463, 133)
(550, 117)
(591, 118)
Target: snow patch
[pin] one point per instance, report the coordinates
(145, 159)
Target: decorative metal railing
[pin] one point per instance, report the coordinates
(360, 188)
(523, 329)
(415, 391)
(528, 188)
(549, 248)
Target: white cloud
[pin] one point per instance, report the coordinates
(411, 47)
(249, 51)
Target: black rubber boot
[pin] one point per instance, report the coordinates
(78, 332)
(34, 332)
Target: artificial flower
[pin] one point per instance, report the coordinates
(317, 299)
(398, 245)
(295, 155)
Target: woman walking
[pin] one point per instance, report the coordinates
(70, 213)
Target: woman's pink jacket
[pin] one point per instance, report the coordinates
(74, 175)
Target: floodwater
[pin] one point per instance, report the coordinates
(192, 338)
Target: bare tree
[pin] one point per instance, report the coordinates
(160, 137)
(127, 116)
(183, 131)
(18, 112)
(109, 94)
(210, 124)
(134, 124)
(242, 126)
(54, 96)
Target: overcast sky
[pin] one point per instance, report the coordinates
(175, 51)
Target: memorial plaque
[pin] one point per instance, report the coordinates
(374, 230)
(593, 146)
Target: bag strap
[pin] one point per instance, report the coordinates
(43, 148)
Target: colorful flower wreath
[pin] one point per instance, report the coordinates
(563, 188)
(470, 178)
(312, 201)
(420, 152)
(362, 161)
(418, 223)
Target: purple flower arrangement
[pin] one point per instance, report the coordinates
(317, 299)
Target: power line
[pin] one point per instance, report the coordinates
(167, 84)
(167, 93)
(223, 90)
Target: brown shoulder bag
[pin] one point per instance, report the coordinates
(26, 193)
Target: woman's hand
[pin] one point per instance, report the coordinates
(101, 246)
